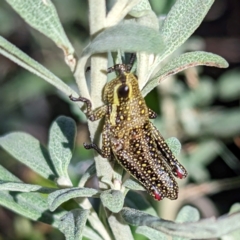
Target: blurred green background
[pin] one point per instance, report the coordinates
(200, 107)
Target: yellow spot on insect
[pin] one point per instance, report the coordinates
(128, 118)
(144, 165)
(143, 111)
(138, 152)
(121, 117)
(149, 171)
(140, 102)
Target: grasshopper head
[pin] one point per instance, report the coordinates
(123, 88)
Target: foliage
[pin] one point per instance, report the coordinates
(129, 26)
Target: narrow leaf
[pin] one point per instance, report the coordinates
(137, 200)
(184, 61)
(236, 234)
(29, 151)
(151, 233)
(56, 198)
(127, 37)
(73, 223)
(89, 233)
(29, 205)
(119, 228)
(203, 229)
(16, 55)
(133, 185)
(23, 187)
(141, 9)
(88, 174)
(174, 145)
(61, 143)
(182, 20)
(42, 16)
(113, 200)
(187, 214)
(119, 11)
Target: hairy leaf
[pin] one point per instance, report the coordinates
(61, 143)
(120, 229)
(73, 223)
(183, 62)
(23, 187)
(113, 200)
(56, 198)
(42, 16)
(16, 55)
(174, 145)
(151, 233)
(182, 20)
(203, 229)
(29, 151)
(30, 205)
(128, 37)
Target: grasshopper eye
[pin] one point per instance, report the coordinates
(123, 91)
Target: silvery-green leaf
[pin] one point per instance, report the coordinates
(89, 233)
(203, 229)
(73, 223)
(137, 200)
(42, 15)
(29, 205)
(7, 176)
(182, 20)
(23, 187)
(119, 228)
(88, 174)
(174, 144)
(128, 37)
(151, 233)
(187, 214)
(236, 234)
(16, 55)
(142, 8)
(119, 11)
(108, 181)
(56, 198)
(61, 143)
(183, 62)
(133, 185)
(113, 200)
(29, 151)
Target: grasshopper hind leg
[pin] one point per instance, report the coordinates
(176, 167)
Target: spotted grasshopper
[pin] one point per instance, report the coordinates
(131, 137)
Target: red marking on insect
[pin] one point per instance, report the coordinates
(157, 195)
(179, 172)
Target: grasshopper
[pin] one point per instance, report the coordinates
(132, 138)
